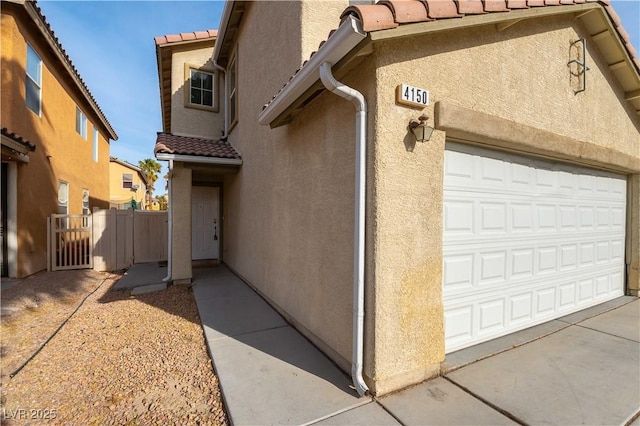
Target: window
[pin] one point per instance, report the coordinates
(33, 80)
(95, 144)
(63, 197)
(127, 180)
(232, 76)
(201, 84)
(85, 201)
(81, 123)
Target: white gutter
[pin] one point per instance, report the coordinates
(169, 218)
(360, 103)
(346, 37)
(198, 159)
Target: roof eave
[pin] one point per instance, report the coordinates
(36, 17)
(163, 156)
(348, 35)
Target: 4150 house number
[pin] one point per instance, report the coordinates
(412, 96)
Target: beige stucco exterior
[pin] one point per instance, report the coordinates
(185, 119)
(118, 195)
(61, 153)
(288, 213)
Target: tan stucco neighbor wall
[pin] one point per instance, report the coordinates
(519, 75)
(61, 153)
(187, 120)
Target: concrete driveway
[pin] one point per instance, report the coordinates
(580, 369)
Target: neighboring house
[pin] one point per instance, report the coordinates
(521, 206)
(64, 166)
(127, 183)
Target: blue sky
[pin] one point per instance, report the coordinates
(112, 45)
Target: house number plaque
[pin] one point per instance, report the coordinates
(412, 96)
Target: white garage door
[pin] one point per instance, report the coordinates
(525, 241)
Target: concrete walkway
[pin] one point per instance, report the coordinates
(580, 369)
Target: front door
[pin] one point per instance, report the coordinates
(205, 223)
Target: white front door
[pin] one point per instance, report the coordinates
(205, 223)
(526, 241)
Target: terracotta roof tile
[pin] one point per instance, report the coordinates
(388, 14)
(440, 9)
(470, 7)
(18, 138)
(186, 145)
(177, 38)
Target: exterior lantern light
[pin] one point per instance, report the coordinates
(420, 129)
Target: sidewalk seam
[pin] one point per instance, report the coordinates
(486, 402)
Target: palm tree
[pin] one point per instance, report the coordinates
(151, 168)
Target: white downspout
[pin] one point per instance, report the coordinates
(361, 178)
(170, 218)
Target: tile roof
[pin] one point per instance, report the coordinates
(182, 37)
(17, 138)
(75, 74)
(390, 14)
(186, 145)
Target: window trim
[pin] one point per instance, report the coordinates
(29, 78)
(130, 181)
(96, 141)
(85, 210)
(83, 123)
(187, 84)
(63, 204)
(232, 91)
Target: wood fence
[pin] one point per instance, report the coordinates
(108, 240)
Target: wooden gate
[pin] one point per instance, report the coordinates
(106, 240)
(70, 242)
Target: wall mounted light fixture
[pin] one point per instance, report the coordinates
(420, 129)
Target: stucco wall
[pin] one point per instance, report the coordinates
(187, 120)
(520, 75)
(289, 211)
(61, 153)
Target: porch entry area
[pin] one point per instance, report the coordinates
(205, 223)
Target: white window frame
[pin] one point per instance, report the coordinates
(63, 197)
(85, 202)
(95, 143)
(189, 69)
(81, 123)
(35, 80)
(232, 85)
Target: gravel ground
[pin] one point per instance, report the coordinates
(119, 359)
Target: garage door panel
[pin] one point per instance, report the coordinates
(525, 241)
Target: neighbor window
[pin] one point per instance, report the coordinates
(201, 83)
(95, 144)
(127, 180)
(232, 76)
(63, 197)
(85, 201)
(33, 80)
(81, 123)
